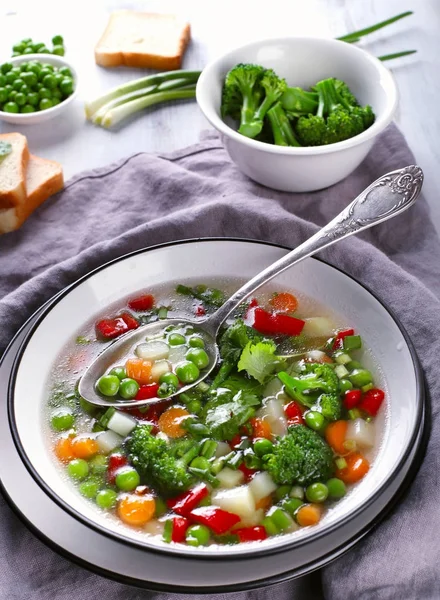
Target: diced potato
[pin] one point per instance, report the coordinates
(239, 501)
(230, 478)
(222, 449)
(177, 354)
(262, 485)
(154, 350)
(158, 369)
(275, 416)
(361, 432)
(108, 441)
(121, 423)
(318, 327)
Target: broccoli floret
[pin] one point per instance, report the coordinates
(273, 87)
(242, 92)
(157, 466)
(337, 118)
(330, 406)
(313, 377)
(297, 102)
(283, 133)
(300, 457)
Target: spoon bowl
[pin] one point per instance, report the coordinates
(385, 198)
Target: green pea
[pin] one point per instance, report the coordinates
(6, 67)
(3, 81)
(108, 385)
(26, 41)
(282, 491)
(45, 103)
(56, 94)
(57, 40)
(37, 47)
(198, 356)
(262, 447)
(197, 535)
(18, 47)
(28, 50)
(194, 406)
(12, 95)
(49, 81)
(33, 98)
(20, 99)
(78, 468)
(176, 339)
(169, 378)
(200, 462)
(127, 479)
(24, 89)
(10, 77)
(120, 372)
(187, 371)
(345, 385)
(195, 341)
(34, 67)
(62, 419)
(98, 464)
(65, 71)
(292, 505)
(44, 93)
(89, 488)
(336, 488)
(3, 95)
(11, 107)
(128, 388)
(317, 492)
(23, 68)
(43, 72)
(55, 101)
(315, 420)
(66, 86)
(29, 78)
(44, 50)
(58, 50)
(17, 84)
(58, 77)
(106, 498)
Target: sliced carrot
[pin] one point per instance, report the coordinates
(357, 467)
(84, 447)
(264, 503)
(139, 369)
(284, 302)
(170, 422)
(63, 449)
(261, 428)
(309, 514)
(136, 510)
(335, 435)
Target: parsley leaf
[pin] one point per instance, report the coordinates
(259, 360)
(227, 411)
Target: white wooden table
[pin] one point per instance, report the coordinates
(217, 27)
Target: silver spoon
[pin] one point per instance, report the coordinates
(386, 197)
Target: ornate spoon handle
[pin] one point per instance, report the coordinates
(386, 197)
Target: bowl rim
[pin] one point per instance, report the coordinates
(377, 127)
(197, 554)
(53, 109)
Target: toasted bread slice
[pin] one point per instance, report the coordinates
(146, 40)
(43, 179)
(13, 171)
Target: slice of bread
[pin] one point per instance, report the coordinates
(13, 171)
(43, 179)
(146, 40)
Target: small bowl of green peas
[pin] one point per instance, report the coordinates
(35, 88)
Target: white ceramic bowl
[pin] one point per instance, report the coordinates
(302, 62)
(207, 261)
(41, 115)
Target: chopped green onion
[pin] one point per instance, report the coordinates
(367, 387)
(341, 463)
(360, 377)
(355, 36)
(354, 413)
(341, 371)
(342, 358)
(352, 342)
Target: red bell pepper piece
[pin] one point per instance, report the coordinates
(141, 303)
(115, 462)
(129, 320)
(180, 525)
(274, 323)
(352, 398)
(217, 519)
(339, 339)
(294, 413)
(187, 501)
(148, 391)
(111, 328)
(251, 534)
(200, 311)
(372, 401)
(248, 473)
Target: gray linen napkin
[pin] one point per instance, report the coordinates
(145, 200)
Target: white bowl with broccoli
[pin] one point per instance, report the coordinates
(279, 127)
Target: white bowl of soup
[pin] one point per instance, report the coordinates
(281, 456)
